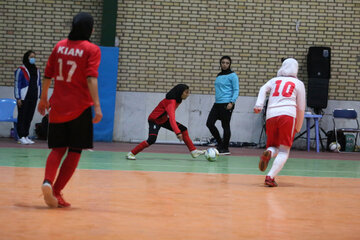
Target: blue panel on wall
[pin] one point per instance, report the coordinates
(103, 131)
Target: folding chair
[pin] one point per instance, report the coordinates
(347, 115)
(7, 107)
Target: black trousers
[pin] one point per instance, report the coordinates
(154, 130)
(25, 116)
(219, 112)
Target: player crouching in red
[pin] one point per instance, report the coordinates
(73, 64)
(284, 116)
(164, 116)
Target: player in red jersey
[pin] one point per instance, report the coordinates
(73, 64)
(164, 116)
(284, 116)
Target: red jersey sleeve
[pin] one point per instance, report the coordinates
(170, 109)
(50, 66)
(93, 62)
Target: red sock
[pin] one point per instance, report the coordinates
(53, 162)
(66, 171)
(188, 141)
(140, 147)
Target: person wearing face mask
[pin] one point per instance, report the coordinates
(27, 90)
(226, 93)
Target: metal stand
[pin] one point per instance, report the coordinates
(263, 130)
(317, 111)
(320, 138)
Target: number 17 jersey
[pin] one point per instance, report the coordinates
(70, 63)
(286, 95)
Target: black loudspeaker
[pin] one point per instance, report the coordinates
(318, 67)
(317, 93)
(318, 62)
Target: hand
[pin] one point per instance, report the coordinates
(98, 114)
(42, 106)
(257, 110)
(229, 106)
(19, 103)
(179, 136)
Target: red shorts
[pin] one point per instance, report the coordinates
(280, 130)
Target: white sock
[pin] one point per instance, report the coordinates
(274, 151)
(279, 161)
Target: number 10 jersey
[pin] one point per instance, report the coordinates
(286, 95)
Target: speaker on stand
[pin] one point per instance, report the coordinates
(319, 74)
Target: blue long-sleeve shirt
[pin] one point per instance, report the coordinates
(226, 88)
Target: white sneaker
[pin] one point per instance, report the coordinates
(197, 153)
(49, 197)
(130, 156)
(23, 141)
(29, 140)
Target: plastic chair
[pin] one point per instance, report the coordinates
(346, 114)
(7, 107)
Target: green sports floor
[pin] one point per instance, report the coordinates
(166, 194)
(111, 156)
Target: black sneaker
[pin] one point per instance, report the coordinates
(224, 152)
(212, 142)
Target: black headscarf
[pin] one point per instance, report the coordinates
(30, 67)
(227, 71)
(82, 26)
(176, 92)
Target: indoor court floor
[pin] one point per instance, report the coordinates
(166, 194)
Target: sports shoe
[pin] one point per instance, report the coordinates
(270, 182)
(61, 201)
(23, 141)
(29, 140)
(49, 197)
(212, 142)
(195, 153)
(130, 156)
(264, 160)
(224, 151)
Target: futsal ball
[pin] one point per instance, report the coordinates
(211, 154)
(334, 146)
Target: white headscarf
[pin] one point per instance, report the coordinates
(289, 68)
